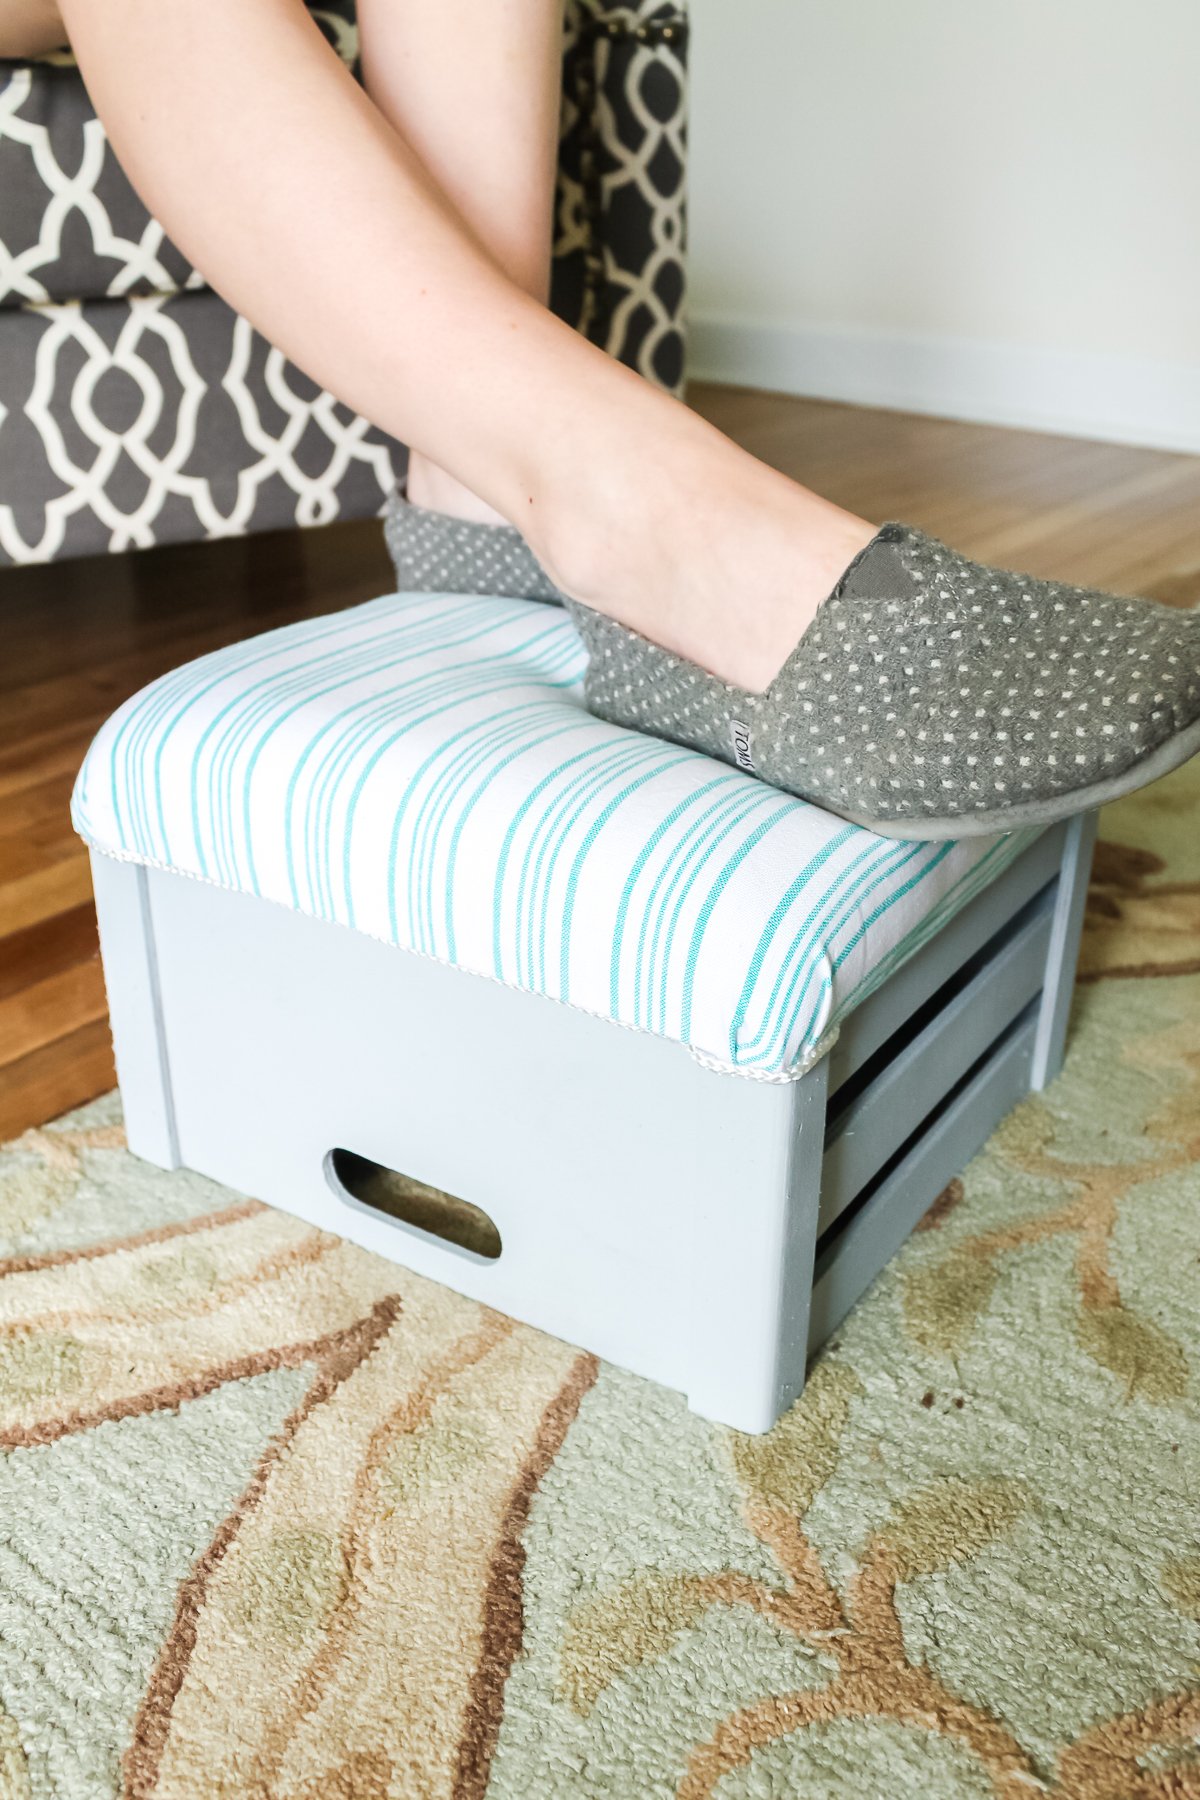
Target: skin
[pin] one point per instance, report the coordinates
(394, 244)
(30, 27)
(500, 69)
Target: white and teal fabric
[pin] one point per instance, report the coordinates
(422, 769)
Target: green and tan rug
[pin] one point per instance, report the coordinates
(280, 1520)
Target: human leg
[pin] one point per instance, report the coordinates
(345, 251)
(346, 254)
(475, 91)
(30, 27)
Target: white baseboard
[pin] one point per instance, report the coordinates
(1123, 400)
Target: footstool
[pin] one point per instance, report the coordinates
(399, 938)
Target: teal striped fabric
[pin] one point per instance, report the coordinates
(422, 769)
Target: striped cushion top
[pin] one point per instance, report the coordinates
(422, 769)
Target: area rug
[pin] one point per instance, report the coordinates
(280, 1520)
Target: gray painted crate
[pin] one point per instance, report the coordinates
(701, 1228)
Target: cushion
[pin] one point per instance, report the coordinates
(71, 226)
(163, 419)
(422, 769)
(136, 409)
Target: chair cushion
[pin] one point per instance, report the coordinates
(71, 226)
(163, 419)
(422, 769)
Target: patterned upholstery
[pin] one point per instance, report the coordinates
(422, 769)
(136, 408)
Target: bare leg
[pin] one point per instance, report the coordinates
(30, 27)
(313, 216)
(475, 91)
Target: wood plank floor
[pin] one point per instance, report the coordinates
(76, 638)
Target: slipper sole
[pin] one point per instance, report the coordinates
(1169, 755)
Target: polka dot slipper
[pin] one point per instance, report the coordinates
(933, 697)
(434, 553)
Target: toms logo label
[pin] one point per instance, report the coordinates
(740, 737)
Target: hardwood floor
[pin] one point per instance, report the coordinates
(1099, 514)
(76, 638)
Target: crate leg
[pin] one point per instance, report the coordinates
(753, 1246)
(1063, 953)
(135, 1009)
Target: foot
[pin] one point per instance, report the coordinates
(435, 552)
(684, 537)
(875, 672)
(760, 536)
(931, 696)
(703, 550)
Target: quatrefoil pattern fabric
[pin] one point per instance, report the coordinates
(136, 408)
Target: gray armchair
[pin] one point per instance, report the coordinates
(136, 408)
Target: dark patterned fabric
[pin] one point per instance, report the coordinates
(136, 408)
(618, 271)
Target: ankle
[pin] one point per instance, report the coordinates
(708, 553)
(619, 541)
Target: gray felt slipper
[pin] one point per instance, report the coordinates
(933, 697)
(435, 553)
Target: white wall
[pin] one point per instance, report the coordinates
(984, 208)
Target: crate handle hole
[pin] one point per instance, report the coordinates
(428, 1210)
